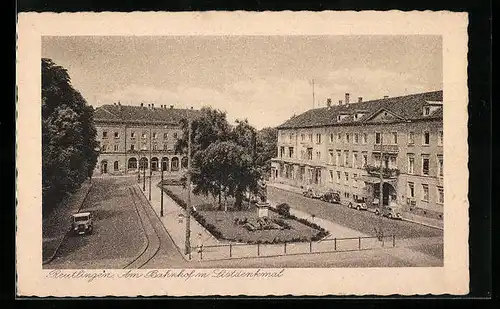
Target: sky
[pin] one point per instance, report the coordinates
(265, 79)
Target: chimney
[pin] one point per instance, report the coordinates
(152, 106)
(360, 99)
(119, 103)
(328, 102)
(347, 98)
(340, 102)
(386, 97)
(191, 107)
(142, 104)
(171, 106)
(149, 105)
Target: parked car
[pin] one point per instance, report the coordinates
(82, 223)
(312, 194)
(331, 197)
(358, 203)
(390, 212)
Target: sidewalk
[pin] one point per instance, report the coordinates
(55, 226)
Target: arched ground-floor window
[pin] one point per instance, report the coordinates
(164, 163)
(132, 163)
(154, 164)
(143, 163)
(115, 165)
(184, 162)
(175, 164)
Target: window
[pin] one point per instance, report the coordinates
(318, 155)
(331, 176)
(378, 138)
(165, 135)
(309, 153)
(132, 147)
(291, 137)
(116, 135)
(310, 136)
(155, 146)
(338, 176)
(411, 138)
(115, 147)
(165, 146)
(331, 156)
(425, 192)
(440, 166)
(411, 164)
(337, 159)
(175, 135)
(411, 190)
(425, 138)
(355, 160)
(346, 175)
(144, 146)
(425, 166)
(290, 152)
(339, 137)
(318, 138)
(132, 134)
(356, 138)
(347, 138)
(365, 138)
(440, 191)
(302, 154)
(331, 137)
(354, 182)
(427, 111)
(346, 157)
(104, 147)
(282, 151)
(365, 159)
(440, 138)
(115, 165)
(302, 137)
(394, 138)
(104, 134)
(144, 134)
(392, 162)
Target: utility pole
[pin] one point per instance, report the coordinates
(188, 180)
(313, 92)
(381, 193)
(143, 176)
(161, 191)
(150, 164)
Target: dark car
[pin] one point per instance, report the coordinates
(331, 197)
(82, 223)
(390, 212)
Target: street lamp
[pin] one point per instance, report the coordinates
(143, 176)
(188, 180)
(150, 165)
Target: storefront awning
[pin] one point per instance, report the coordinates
(376, 180)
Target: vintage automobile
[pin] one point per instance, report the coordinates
(82, 223)
(358, 203)
(331, 197)
(389, 212)
(312, 194)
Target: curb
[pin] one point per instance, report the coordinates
(425, 224)
(50, 258)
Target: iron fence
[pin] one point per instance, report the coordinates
(228, 251)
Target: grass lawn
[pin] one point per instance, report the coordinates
(224, 222)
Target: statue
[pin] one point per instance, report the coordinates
(262, 190)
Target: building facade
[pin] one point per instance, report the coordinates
(339, 147)
(140, 138)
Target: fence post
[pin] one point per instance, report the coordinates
(359, 243)
(394, 240)
(285, 247)
(258, 249)
(310, 246)
(189, 254)
(201, 252)
(335, 244)
(230, 250)
(383, 241)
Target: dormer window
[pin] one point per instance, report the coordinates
(427, 110)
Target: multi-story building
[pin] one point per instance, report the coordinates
(338, 147)
(134, 138)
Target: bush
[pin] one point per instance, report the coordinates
(283, 209)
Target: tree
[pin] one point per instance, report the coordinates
(267, 141)
(68, 136)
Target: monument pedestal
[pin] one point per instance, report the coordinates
(262, 209)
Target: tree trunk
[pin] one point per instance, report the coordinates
(238, 199)
(220, 197)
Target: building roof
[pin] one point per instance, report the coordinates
(404, 108)
(144, 114)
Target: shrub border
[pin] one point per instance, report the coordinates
(218, 234)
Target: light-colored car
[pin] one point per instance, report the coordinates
(390, 212)
(82, 223)
(358, 204)
(312, 194)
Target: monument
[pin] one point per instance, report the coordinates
(262, 204)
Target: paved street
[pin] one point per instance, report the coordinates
(129, 233)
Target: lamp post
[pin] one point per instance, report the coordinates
(150, 164)
(188, 180)
(161, 191)
(143, 176)
(381, 193)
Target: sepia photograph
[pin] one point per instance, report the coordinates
(245, 156)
